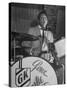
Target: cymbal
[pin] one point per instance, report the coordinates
(21, 47)
(23, 37)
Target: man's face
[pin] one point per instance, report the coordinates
(43, 20)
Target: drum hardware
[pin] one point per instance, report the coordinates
(20, 57)
(21, 51)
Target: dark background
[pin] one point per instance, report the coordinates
(24, 16)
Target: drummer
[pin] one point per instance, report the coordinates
(45, 37)
(41, 46)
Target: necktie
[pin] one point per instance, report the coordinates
(42, 36)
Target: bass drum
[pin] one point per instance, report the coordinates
(41, 72)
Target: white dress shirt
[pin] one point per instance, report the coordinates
(49, 36)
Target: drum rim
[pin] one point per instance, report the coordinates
(39, 57)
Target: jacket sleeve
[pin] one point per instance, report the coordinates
(50, 37)
(31, 31)
(28, 43)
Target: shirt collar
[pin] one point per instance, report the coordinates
(39, 26)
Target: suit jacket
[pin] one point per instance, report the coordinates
(37, 45)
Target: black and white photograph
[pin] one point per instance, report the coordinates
(36, 45)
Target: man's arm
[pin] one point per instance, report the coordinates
(28, 43)
(50, 37)
(36, 45)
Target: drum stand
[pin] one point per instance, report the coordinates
(14, 48)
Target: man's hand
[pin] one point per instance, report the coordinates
(48, 57)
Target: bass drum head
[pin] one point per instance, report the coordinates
(41, 72)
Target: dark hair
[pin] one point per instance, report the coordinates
(42, 12)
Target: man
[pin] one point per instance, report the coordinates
(45, 37)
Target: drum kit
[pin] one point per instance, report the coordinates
(42, 73)
(16, 40)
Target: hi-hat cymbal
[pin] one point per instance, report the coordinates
(23, 37)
